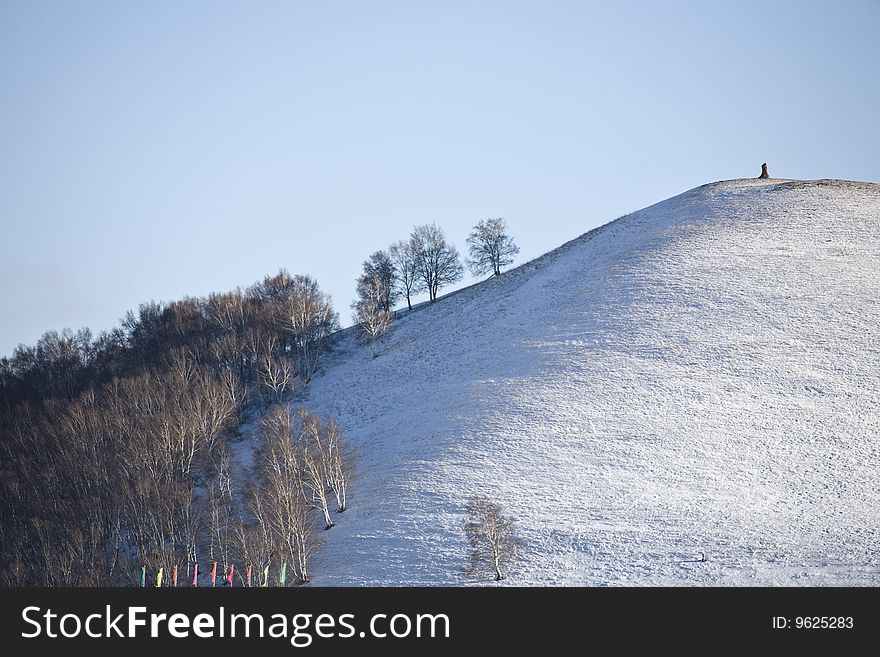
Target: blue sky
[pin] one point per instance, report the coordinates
(151, 150)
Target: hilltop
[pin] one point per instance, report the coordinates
(700, 376)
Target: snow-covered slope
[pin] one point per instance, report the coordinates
(699, 376)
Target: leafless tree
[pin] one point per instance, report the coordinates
(438, 261)
(236, 392)
(316, 464)
(373, 319)
(287, 513)
(210, 408)
(254, 540)
(276, 376)
(308, 319)
(221, 509)
(490, 247)
(114, 449)
(227, 311)
(491, 536)
(340, 464)
(406, 270)
(378, 275)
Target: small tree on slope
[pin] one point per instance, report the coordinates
(379, 266)
(372, 317)
(406, 270)
(437, 260)
(490, 247)
(491, 536)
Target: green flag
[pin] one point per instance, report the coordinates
(144, 575)
(283, 575)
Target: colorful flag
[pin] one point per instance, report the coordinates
(159, 579)
(249, 575)
(266, 576)
(144, 575)
(283, 574)
(175, 577)
(229, 576)
(214, 574)
(195, 574)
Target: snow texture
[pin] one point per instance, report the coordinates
(701, 376)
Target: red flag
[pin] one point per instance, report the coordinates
(195, 574)
(249, 575)
(175, 577)
(229, 577)
(214, 574)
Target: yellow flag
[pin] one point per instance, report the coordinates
(159, 579)
(266, 576)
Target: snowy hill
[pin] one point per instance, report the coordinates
(700, 376)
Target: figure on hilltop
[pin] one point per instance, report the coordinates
(764, 173)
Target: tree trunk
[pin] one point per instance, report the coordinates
(328, 522)
(339, 490)
(496, 558)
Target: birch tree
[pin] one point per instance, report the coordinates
(309, 319)
(341, 464)
(371, 315)
(491, 536)
(287, 514)
(315, 463)
(379, 276)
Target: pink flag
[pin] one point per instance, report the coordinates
(249, 575)
(175, 576)
(195, 574)
(229, 576)
(214, 574)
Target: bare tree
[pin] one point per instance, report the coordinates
(437, 260)
(114, 449)
(316, 464)
(255, 541)
(491, 536)
(276, 376)
(220, 519)
(340, 463)
(406, 270)
(287, 515)
(309, 319)
(372, 317)
(226, 311)
(490, 247)
(301, 315)
(379, 276)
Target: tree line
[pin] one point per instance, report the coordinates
(426, 262)
(115, 449)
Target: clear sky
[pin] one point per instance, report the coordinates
(156, 149)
